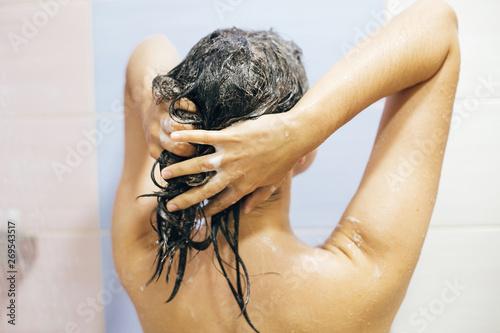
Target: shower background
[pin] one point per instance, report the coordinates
(61, 82)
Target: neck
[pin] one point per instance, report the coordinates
(269, 217)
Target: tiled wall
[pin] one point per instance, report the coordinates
(61, 79)
(455, 286)
(48, 175)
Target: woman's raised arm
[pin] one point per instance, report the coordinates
(253, 157)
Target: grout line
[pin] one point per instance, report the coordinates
(63, 232)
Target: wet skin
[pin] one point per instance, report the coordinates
(356, 280)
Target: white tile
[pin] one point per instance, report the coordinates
(467, 258)
(479, 43)
(469, 191)
(48, 171)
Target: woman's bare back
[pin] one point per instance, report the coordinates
(294, 288)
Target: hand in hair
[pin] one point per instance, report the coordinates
(271, 151)
(158, 125)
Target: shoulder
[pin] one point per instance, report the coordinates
(338, 286)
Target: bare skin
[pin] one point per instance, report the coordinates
(356, 281)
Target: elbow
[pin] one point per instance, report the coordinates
(442, 20)
(450, 17)
(442, 15)
(447, 15)
(448, 20)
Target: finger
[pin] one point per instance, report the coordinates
(185, 104)
(169, 125)
(257, 197)
(193, 166)
(228, 197)
(178, 148)
(199, 136)
(198, 194)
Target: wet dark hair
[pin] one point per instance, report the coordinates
(230, 75)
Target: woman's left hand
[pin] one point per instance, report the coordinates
(253, 156)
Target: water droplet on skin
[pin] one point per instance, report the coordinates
(377, 272)
(357, 240)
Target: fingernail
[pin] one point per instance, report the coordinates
(175, 136)
(247, 210)
(172, 207)
(166, 174)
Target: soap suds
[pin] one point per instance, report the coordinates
(268, 241)
(164, 138)
(217, 157)
(377, 272)
(166, 124)
(216, 160)
(357, 239)
(353, 219)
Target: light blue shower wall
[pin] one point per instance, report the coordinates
(323, 29)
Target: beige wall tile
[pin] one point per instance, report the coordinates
(48, 172)
(58, 285)
(46, 58)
